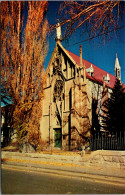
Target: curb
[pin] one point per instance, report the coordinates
(66, 173)
(84, 176)
(110, 172)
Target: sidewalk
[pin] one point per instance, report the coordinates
(43, 163)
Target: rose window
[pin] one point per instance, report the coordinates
(58, 89)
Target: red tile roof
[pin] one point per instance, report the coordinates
(98, 72)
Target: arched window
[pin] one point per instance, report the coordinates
(58, 88)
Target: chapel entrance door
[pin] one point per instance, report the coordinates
(58, 138)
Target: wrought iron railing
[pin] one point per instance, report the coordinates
(104, 141)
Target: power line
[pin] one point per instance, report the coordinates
(93, 37)
(97, 36)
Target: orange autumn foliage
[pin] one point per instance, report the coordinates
(22, 60)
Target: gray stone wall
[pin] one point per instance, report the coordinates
(99, 158)
(105, 158)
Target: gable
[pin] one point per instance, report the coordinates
(98, 76)
(61, 63)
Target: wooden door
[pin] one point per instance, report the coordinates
(58, 138)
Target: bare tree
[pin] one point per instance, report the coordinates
(95, 17)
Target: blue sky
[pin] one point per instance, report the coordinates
(102, 55)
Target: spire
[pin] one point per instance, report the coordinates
(117, 68)
(117, 65)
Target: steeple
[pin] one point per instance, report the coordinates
(117, 68)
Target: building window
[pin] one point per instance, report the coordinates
(58, 90)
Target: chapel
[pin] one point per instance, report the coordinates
(72, 85)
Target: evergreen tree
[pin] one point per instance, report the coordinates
(95, 121)
(113, 117)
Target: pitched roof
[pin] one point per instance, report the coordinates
(98, 73)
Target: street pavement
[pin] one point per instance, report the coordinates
(105, 174)
(33, 182)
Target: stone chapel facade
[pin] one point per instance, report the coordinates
(71, 85)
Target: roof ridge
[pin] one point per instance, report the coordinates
(91, 63)
(98, 74)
